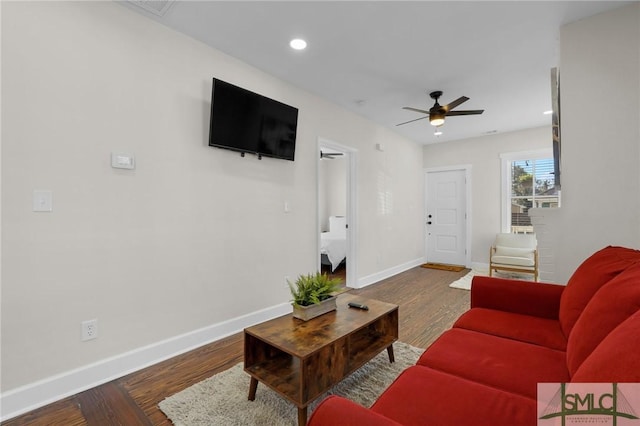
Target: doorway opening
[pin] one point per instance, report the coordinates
(336, 211)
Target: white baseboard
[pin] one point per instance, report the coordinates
(379, 276)
(34, 395)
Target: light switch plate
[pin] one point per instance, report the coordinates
(122, 161)
(42, 201)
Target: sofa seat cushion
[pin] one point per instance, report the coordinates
(423, 396)
(495, 361)
(616, 301)
(593, 273)
(525, 328)
(336, 410)
(617, 357)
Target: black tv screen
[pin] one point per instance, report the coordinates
(247, 122)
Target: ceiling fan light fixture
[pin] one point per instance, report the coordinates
(436, 119)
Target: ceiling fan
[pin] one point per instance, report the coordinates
(437, 112)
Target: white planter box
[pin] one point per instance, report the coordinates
(305, 313)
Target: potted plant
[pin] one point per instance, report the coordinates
(313, 295)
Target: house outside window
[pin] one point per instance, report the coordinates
(528, 181)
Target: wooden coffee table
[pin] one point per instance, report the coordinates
(302, 359)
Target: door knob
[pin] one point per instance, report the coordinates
(429, 223)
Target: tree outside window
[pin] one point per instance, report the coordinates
(532, 185)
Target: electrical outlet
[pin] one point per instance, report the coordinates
(89, 329)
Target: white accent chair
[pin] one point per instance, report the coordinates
(514, 253)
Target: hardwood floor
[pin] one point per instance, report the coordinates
(340, 272)
(427, 308)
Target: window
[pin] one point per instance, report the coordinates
(528, 182)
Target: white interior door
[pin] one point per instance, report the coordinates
(446, 214)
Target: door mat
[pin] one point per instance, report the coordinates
(443, 267)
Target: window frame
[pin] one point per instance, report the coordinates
(506, 160)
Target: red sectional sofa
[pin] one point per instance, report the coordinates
(485, 369)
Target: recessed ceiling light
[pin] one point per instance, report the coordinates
(298, 44)
(548, 112)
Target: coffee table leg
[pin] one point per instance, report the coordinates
(302, 416)
(252, 389)
(390, 352)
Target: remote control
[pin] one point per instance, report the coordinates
(358, 306)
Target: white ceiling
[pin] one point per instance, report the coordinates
(374, 57)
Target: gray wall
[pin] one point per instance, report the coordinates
(599, 67)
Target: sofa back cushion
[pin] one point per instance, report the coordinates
(592, 274)
(616, 301)
(616, 358)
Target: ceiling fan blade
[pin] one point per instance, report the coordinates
(452, 105)
(469, 112)
(411, 121)
(416, 110)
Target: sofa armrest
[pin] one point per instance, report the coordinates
(335, 410)
(520, 297)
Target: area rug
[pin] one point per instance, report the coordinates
(443, 267)
(464, 283)
(222, 399)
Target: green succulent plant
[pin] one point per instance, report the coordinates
(312, 288)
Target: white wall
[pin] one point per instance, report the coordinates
(191, 238)
(600, 119)
(483, 154)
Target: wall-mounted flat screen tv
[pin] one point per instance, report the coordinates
(247, 122)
